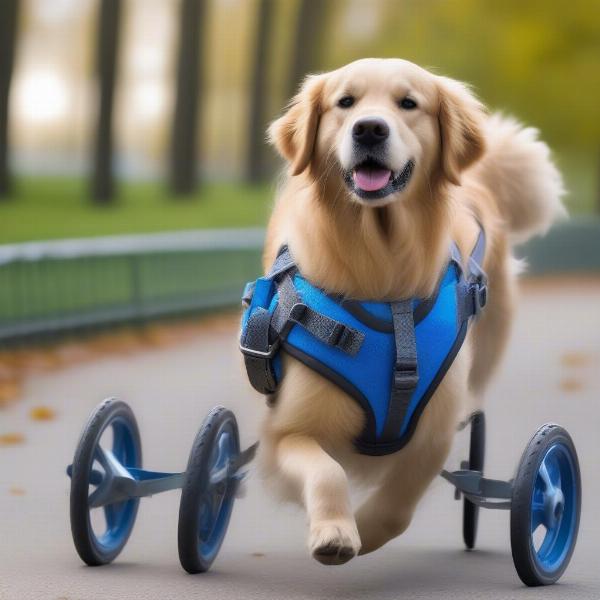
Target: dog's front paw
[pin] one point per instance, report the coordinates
(334, 542)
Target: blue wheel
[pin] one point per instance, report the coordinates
(101, 533)
(208, 492)
(545, 509)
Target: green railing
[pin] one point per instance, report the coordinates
(48, 288)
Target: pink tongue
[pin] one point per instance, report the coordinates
(371, 180)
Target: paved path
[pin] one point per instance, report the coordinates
(552, 373)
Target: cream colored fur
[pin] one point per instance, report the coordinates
(469, 167)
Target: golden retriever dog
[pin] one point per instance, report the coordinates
(387, 164)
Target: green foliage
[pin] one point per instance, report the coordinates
(50, 208)
(538, 59)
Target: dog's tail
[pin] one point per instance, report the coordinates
(519, 170)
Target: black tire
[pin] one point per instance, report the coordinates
(476, 463)
(199, 546)
(89, 547)
(531, 568)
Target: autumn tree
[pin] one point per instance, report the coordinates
(184, 133)
(107, 50)
(8, 34)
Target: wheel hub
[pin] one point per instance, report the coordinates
(554, 506)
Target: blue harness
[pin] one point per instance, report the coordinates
(389, 356)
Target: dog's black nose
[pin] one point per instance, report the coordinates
(370, 131)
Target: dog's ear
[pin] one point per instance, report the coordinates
(460, 119)
(294, 133)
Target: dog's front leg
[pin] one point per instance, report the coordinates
(322, 485)
(389, 510)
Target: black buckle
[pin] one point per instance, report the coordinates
(405, 375)
(266, 354)
(480, 294)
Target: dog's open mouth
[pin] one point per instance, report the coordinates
(372, 180)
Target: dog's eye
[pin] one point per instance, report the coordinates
(346, 101)
(407, 103)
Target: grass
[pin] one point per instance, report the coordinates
(50, 208)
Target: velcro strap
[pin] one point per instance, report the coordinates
(258, 352)
(290, 309)
(406, 375)
(327, 330)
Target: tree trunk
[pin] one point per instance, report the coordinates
(598, 187)
(9, 10)
(310, 24)
(103, 186)
(255, 157)
(183, 177)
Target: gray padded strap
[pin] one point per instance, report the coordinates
(327, 330)
(284, 262)
(472, 287)
(478, 252)
(248, 293)
(288, 297)
(256, 349)
(290, 309)
(476, 277)
(406, 375)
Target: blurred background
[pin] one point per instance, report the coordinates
(122, 117)
(135, 184)
(168, 96)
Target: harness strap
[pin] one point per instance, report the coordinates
(478, 252)
(258, 351)
(476, 277)
(291, 310)
(265, 330)
(473, 288)
(256, 343)
(283, 263)
(406, 375)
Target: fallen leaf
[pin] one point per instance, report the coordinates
(575, 359)
(9, 392)
(40, 360)
(16, 491)
(571, 385)
(11, 439)
(42, 413)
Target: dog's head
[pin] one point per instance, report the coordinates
(378, 127)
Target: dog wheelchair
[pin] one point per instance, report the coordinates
(107, 477)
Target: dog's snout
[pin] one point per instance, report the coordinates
(370, 131)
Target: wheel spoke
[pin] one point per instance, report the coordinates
(100, 491)
(111, 512)
(207, 517)
(119, 447)
(553, 470)
(112, 465)
(101, 455)
(222, 451)
(545, 476)
(538, 515)
(220, 469)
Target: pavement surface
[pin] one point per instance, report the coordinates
(551, 373)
